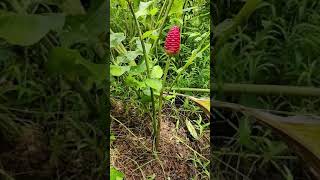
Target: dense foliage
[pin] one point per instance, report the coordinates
(52, 90)
(263, 42)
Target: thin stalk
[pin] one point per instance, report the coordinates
(260, 89)
(147, 65)
(162, 25)
(160, 100)
(162, 9)
(191, 90)
(266, 89)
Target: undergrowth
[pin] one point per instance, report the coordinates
(278, 44)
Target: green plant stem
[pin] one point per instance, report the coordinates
(191, 90)
(262, 89)
(267, 89)
(162, 25)
(160, 100)
(162, 9)
(147, 65)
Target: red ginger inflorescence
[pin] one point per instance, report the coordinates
(172, 43)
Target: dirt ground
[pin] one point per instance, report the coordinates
(131, 151)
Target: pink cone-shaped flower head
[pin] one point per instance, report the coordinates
(172, 43)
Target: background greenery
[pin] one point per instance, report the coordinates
(53, 94)
(274, 42)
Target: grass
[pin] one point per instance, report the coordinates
(47, 130)
(277, 45)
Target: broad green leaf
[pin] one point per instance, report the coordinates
(116, 39)
(128, 57)
(132, 82)
(156, 72)
(177, 8)
(154, 84)
(136, 70)
(145, 98)
(150, 34)
(148, 46)
(98, 72)
(191, 129)
(132, 55)
(87, 28)
(147, 34)
(28, 29)
(153, 11)
(64, 61)
(71, 64)
(143, 8)
(115, 174)
(118, 70)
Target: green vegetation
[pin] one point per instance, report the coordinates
(167, 135)
(53, 89)
(267, 43)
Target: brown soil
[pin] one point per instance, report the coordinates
(132, 154)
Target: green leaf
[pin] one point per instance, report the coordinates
(153, 11)
(116, 39)
(156, 72)
(143, 8)
(177, 8)
(115, 174)
(191, 129)
(148, 46)
(118, 70)
(132, 55)
(128, 57)
(28, 29)
(71, 64)
(132, 82)
(150, 34)
(136, 70)
(154, 84)
(87, 28)
(64, 61)
(147, 34)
